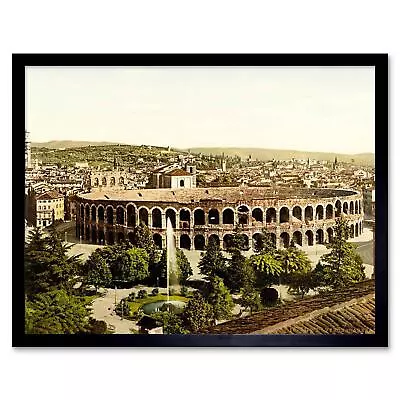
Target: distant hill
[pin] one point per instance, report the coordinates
(269, 154)
(61, 144)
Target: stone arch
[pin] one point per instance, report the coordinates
(121, 180)
(351, 230)
(87, 234)
(297, 213)
(319, 212)
(112, 181)
(214, 238)
(101, 237)
(310, 238)
(257, 239)
(120, 215)
(131, 215)
(283, 215)
(285, 239)
(87, 211)
(94, 236)
(104, 181)
(131, 237)
(345, 208)
(227, 241)
(243, 214)
(319, 236)
(100, 213)
(338, 208)
(228, 216)
(110, 215)
(82, 211)
(182, 183)
(93, 213)
(110, 237)
(199, 242)
(144, 215)
(359, 206)
(329, 232)
(356, 233)
(351, 207)
(213, 216)
(185, 242)
(156, 218)
(184, 218)
(308, 214)
(271, 215)
(329, 211)
(171, 214)
(257, 214)
(356, 207)
(96, 182)
(157, 240)
(298, 238)
(120, 237)
(199, 217)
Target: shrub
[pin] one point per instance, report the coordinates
(132, 296)
(97, 327)
(184, 291)
(142, 294)
(172, 291)
(269, 296)
(155, 291)
(122, 308)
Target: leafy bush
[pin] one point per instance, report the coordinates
(155, 291)
(132, 296)
(97, 327)
(122, 308)
(142, 294)
(184, 291)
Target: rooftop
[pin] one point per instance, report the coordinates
(50, 195)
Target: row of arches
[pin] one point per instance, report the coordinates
(96, 181)
(130, 215)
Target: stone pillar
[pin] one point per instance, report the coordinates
(150, 219)
(163, 221)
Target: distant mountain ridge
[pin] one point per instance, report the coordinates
(67, 144)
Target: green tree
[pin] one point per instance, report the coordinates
(143, 239)
(182, 273)
(172, 323)
(98, 272)
(184, 268)
(293, 260)
(212, 262)
(302, 281)
(131, 266)
(220, 299)
(56, 312)
(268, 268)
(343, 266)
(198, 314)
(250, 298)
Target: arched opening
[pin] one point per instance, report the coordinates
(120, 215)
(82, 213)
(110, 237)
(144, 216)
(227, 241)
(257, 215)
(87, 211)
(345, 207)
(308, 213)
(121, 237)
(213, 217)
(87, 235)
(271, 216)
(199, 217)
(329, 211)
(356, 230)
(320, 236)
(257, 240)
(110, 216)
(361, 228)
(199, 242)
(131, 215)
(351, 231)
(94, 214)
(156, 218)
(351, 207)
(243, 215)
(356, 207)
(284, 215)
(104, 181)
(157, 240)
(101, 237)
(297, 213)
(329, 231)
(359, 207)
(112, 181)
(228, 217)
(319, 212)
(100, 213)
(121, 180)
(214, 239)
(310, 238)
(298, 238)
(171, 214)
(338, 208)
(285, 239)
(131, 237)
(96, 181)
(184, 242)
(94, 236)
(181, 183)
(184, 217)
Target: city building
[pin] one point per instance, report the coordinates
(49, 208)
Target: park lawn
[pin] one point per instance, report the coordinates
(138, 303)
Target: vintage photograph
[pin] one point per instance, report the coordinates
(206, 200)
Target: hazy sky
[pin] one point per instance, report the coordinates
(300, 108)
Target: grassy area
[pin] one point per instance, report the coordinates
(138, 303)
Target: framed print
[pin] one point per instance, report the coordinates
(200, 199)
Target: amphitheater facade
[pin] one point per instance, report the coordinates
(198, 215)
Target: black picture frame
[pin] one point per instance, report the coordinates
(380, 64)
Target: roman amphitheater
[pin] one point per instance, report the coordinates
(199, 215)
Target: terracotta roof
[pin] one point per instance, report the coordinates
(50, 195)
(177, 172)
(346, 311)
